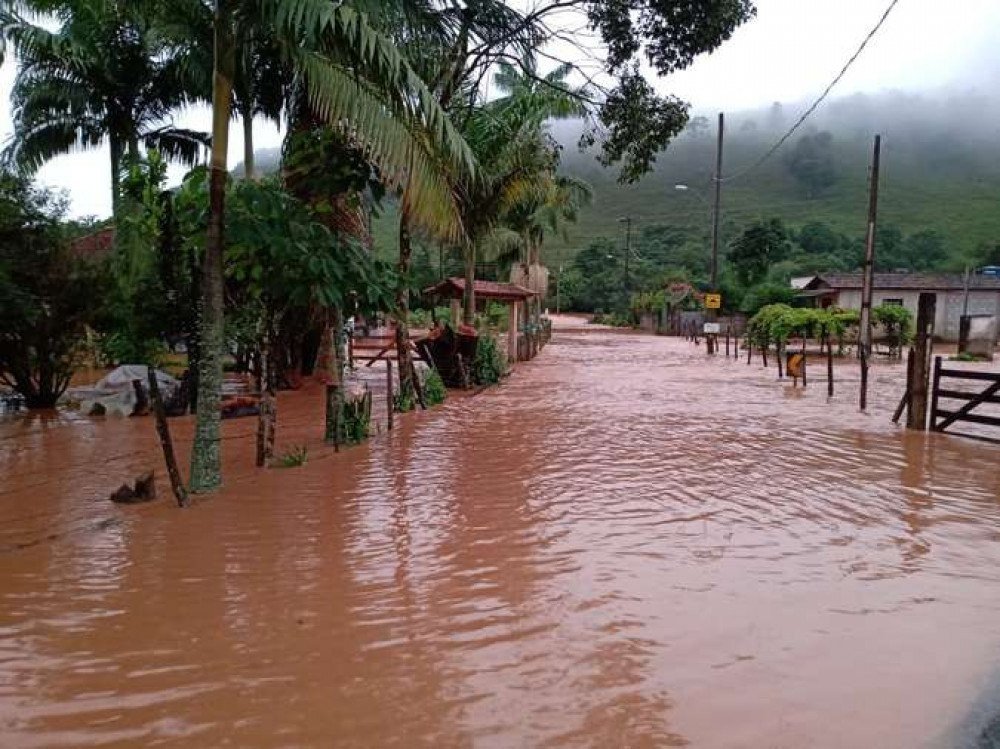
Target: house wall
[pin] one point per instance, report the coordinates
(948, 310)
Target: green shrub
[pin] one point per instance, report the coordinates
(356, 418)
(422, 318)
(434, 389)
(403, 402)
(490, 363)
(613, 319)
(293, 457)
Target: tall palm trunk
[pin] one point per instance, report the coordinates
(206, 452)
(405, 360)
(249, 165)
(117, 152)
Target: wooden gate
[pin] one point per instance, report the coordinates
(942, 419)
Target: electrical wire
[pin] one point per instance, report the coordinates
(822, 97)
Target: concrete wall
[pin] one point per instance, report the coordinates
(949, 306)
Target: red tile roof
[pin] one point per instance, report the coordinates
(96, 246)
(455, 287)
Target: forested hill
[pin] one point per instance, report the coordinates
(941, 172)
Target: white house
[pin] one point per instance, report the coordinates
(844, 290)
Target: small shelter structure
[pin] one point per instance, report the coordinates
(513, 295)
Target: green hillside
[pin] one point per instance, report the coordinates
(941, 172)
(933, 178)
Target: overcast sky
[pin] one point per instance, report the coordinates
(788, 53)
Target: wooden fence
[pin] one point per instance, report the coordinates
(943, 419)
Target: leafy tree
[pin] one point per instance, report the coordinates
(924, 250)
(764, 294)
(817, 238)
(811, 163)
(355, 79)
(47, 297)
(757, 248)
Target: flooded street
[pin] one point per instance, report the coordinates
(624, 545)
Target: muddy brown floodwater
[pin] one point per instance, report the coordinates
(624, 545)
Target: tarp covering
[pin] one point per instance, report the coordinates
(114, 393)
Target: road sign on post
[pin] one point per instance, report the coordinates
(713, 301)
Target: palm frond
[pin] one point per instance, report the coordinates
(397, 146)
(179, 144)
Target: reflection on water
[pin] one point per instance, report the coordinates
(624, 545)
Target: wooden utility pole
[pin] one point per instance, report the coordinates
(916, 416)
(558, 288)
(627, 220)
(865, 344)
(716, 211)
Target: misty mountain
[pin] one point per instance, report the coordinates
(940, 171)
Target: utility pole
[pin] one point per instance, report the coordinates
(627, 220)
(965, 294)
(869, 276)
(558, 287)
(716, 211)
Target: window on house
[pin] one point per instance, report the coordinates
(897, 302)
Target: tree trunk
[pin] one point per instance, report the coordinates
(404, 358)
(268, 404)
(249, 165)
(206, 452)
(116, 173)
(335, 390)
(469, 312)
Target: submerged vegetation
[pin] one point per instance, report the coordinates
(440, 110)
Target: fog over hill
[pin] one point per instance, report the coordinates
(940, 171)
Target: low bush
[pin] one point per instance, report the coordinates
(434, 389)
(294, 457)
(490, 363)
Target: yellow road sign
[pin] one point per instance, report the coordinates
(713, 301)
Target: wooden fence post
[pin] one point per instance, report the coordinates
(916, 417)
(904, 402)
(163, 430)
(936, 385)
(804, 381)
(389, 401)
(829, 366)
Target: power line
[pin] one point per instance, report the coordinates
(843, 71)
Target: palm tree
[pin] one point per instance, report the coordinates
(356, 80)
(518, 161)
(101, 76)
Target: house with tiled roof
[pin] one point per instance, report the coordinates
(844, 290)
(95, 246)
